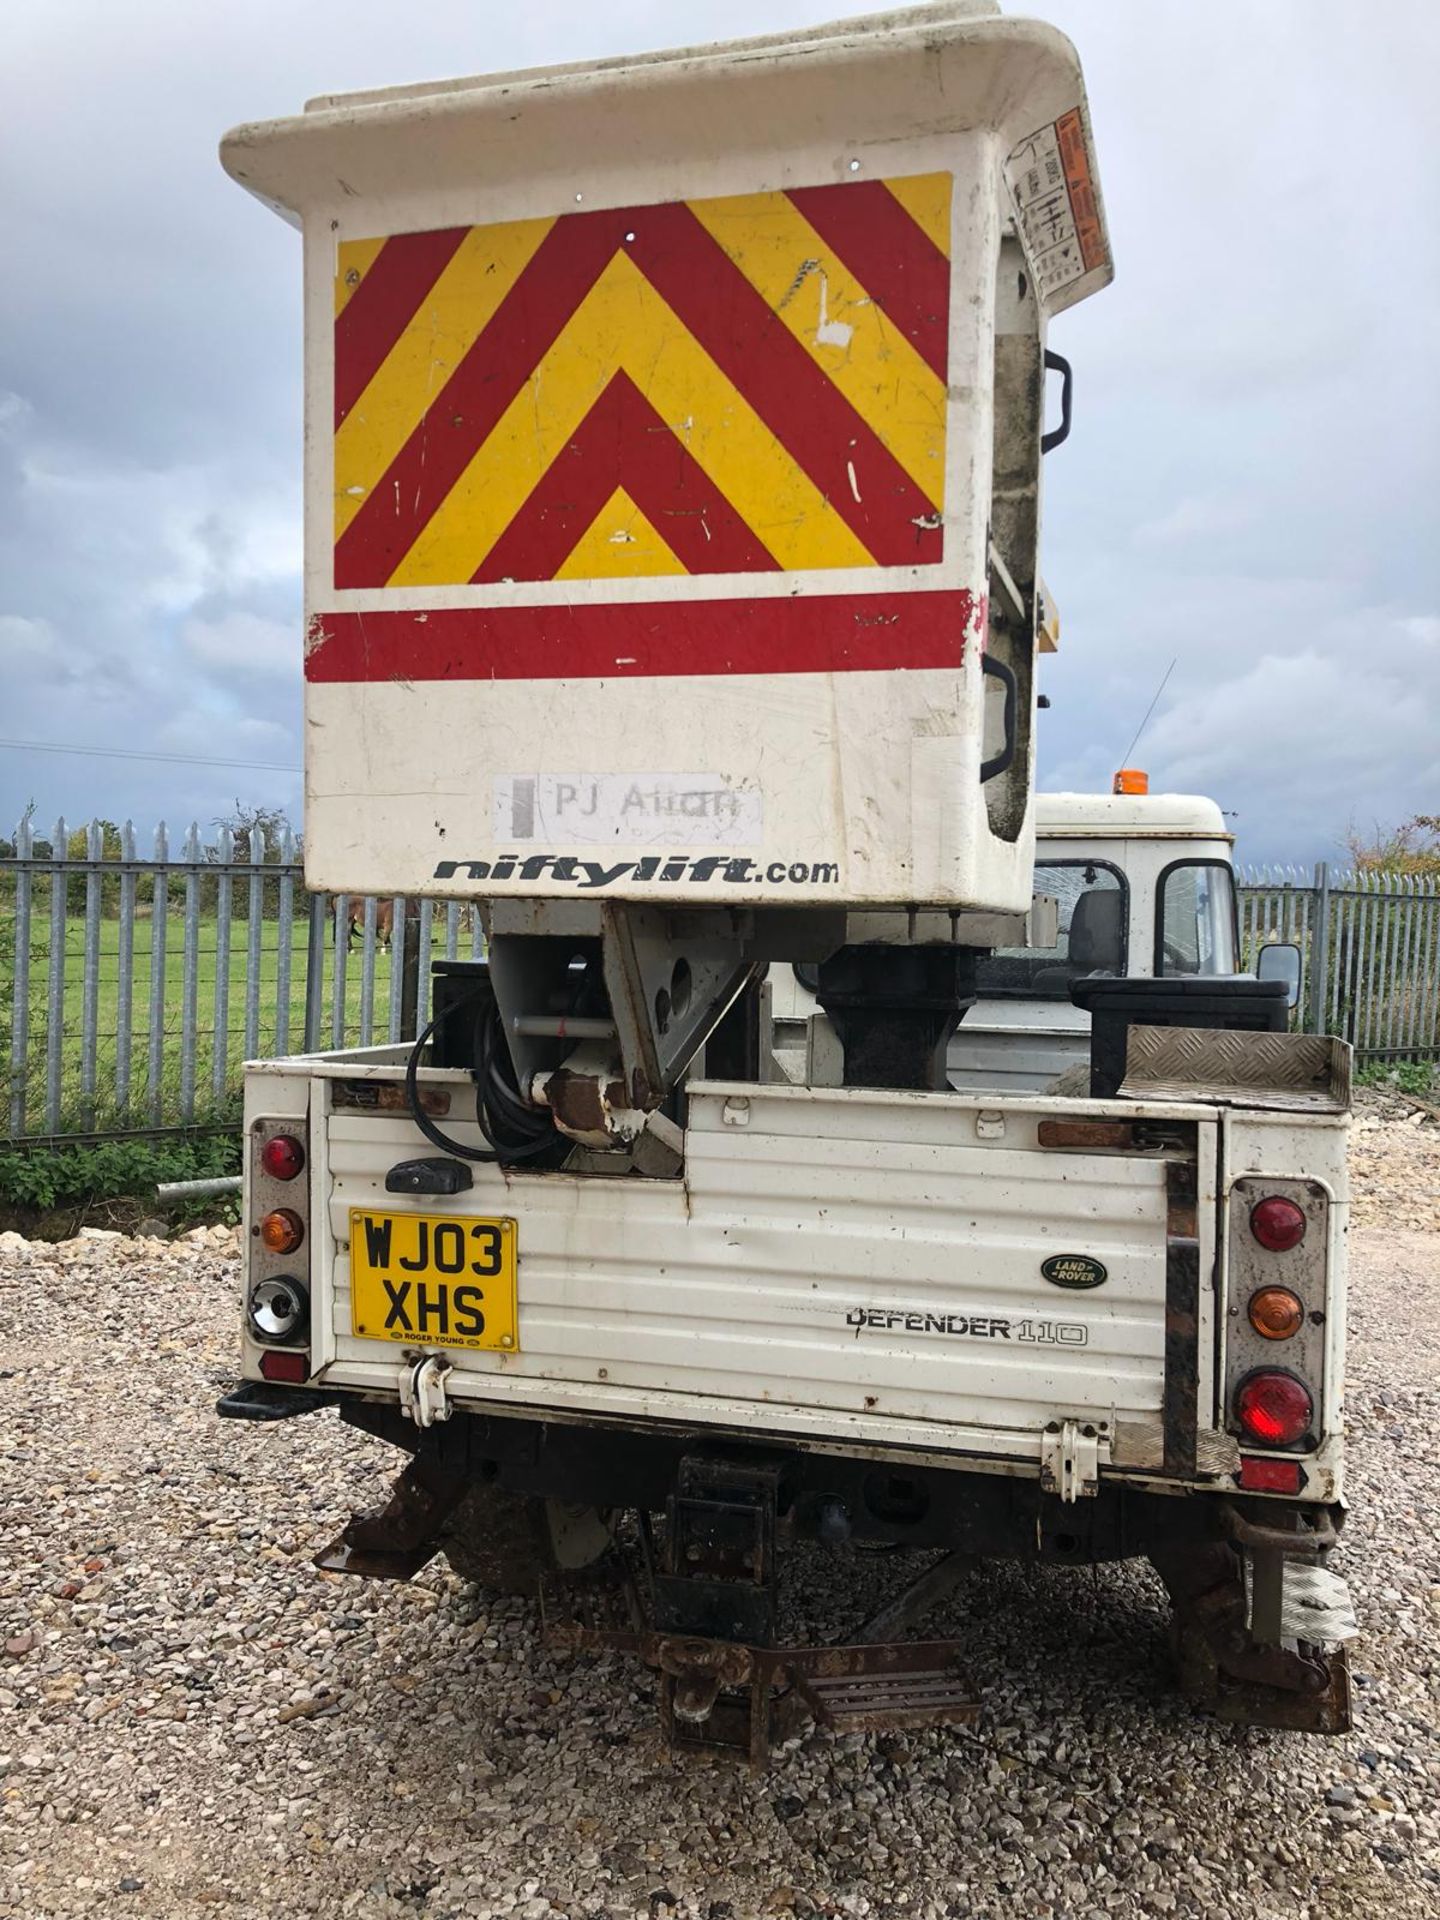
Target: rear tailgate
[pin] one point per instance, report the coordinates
(888, 1269)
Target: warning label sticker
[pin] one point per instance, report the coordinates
(1052, 179)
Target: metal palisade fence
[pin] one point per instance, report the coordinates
(134, 984)
(1370, 952)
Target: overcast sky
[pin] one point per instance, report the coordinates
(1251, 489)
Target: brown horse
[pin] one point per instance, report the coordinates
(384, 919)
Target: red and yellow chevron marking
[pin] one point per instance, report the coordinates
(748, 384)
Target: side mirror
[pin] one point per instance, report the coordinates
(1281, 961)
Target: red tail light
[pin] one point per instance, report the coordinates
(282, 1156)
(1274, 1409)
(1277, 1223)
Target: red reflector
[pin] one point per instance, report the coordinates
(1277, 1224)
(1270, 1476)
(282, 1156)
(1274, 1408)
(292, 1368)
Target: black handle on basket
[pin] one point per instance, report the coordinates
(1057, 363)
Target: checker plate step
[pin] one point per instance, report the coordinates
(928, 1697)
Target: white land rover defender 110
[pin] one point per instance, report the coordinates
(674, 433)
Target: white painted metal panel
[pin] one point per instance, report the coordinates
(851, 1265)
(1017, 1046)
(1131, 816)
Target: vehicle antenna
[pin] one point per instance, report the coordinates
(1125, 757)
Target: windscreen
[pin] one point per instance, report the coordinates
(1196, 919)
(1093, 904)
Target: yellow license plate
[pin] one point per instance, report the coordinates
(430, 1280)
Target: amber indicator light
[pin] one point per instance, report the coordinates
(282, 1231)
(1276, 1313)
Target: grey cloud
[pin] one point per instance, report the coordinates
(241, 644)
(1250, 489)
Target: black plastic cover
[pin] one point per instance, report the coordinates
(1233, 1001)
(438, 1174)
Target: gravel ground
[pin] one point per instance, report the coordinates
(193, 1721)
(1394, 1163)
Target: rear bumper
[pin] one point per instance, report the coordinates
(991, 1506)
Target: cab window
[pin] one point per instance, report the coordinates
(1094, 907)
(1195, 929)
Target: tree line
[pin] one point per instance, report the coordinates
(258, 834)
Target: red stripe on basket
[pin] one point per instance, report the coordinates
(839, 633)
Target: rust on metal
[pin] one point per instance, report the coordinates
(919, 1685)
(739, 1694)
(578, 1101)
(1322, 1708)
(680, 1655)
(386, 1096)
(867, 1684)
(1182, 1319)
(393, 1541)
(1303, 1688)
(1083, 1134)
(1225, 1670)
(1319, 1535)
(1180, 1200)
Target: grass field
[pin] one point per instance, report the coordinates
(221, 995)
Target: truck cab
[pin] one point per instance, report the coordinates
(1144, 887)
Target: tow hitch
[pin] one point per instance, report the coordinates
(699, 1603)
(700, 1608)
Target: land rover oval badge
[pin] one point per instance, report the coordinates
(1076, 1271)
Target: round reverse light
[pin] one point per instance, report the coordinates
(282, 1231)
(1274, 1409)
(282, 1156)
(278, 1309)
(1276, 1313)
(1277, 1223)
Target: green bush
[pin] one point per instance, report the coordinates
(1415, 1077)
(52, 1176)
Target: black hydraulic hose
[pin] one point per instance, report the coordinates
(422, 1119)
(512, 1130)
(536, 1130)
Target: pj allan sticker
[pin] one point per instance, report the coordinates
(1075, 1271)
